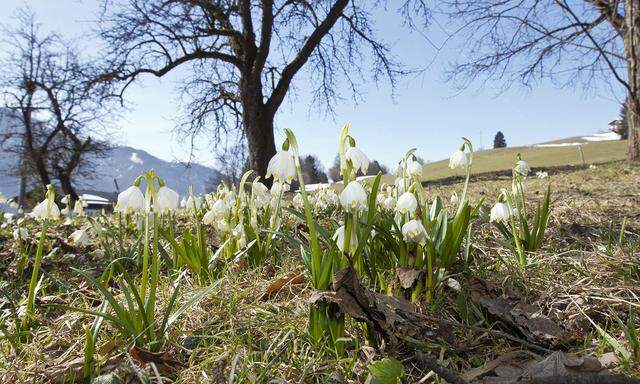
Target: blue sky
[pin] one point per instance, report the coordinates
(427, 113)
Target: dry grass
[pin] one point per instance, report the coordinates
(234, 337)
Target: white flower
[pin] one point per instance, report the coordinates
(397, 170)
(219, 208)
(338, 237)
(414, 168)
(14, 205)
(592, 166)
(260, 193)
(413, 231)
(298, 201)
(389, 203)
(80, 238)
(500, 212)
(282, 167)
(454, 199)
(43, 211)
(542, 174)
(3, 199)
(209, 217)
(400, 184)
(222, 226)
(353, 196)
(358, 159)
(277, 189)
(130, 200)
(522, 168)
(407, 203)
(20, 233)
(458, 160)
(193, 202)
(167, 199)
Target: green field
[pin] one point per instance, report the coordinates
(538, 157)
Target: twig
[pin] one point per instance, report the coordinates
(497, 333)
(431, 363)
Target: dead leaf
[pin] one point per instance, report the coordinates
(509, 306)
(163, 360)
(408, 276)
(609, 360)
(557, 364)
(72, 371)
(276, 285)
(488, 367)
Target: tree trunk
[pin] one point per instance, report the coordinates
(633, 125)
(67, 187)
(631, 40)
(259, 131)
(258, 127)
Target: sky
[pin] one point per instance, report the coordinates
(426, 113)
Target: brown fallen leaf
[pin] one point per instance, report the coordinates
(488, 367)
(73, 370)
(276, 285)
(408, 276)
(163, 360)
(558, 364)
(509, 306)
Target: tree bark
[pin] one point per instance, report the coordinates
(257, 120)
(631, 40)
(67, 186)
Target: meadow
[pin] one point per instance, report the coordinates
(529, 275)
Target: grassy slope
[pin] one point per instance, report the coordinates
(537, 157)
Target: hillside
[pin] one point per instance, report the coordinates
(543, 155)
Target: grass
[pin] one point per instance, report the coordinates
(234, 336)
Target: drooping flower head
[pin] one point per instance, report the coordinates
(359, 160)
(353, 197)
(413, 232)
(339, 236)
(167, 199)
(130, 200)
(458, 160)
(282, 167)
(407, 203)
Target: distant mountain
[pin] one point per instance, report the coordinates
(122, 164)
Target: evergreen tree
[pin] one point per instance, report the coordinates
(499, 141)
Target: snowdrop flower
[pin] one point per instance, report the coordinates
(400, 184)
(298, 201)
(397, 170)
(130, 200)
(458, 160)
(261, 194)
(14, 205)
(222, 226)
(542, 174)
(209, 217)
(282, 167)
(353, 196)
(500, 212)
(407, 203)
(522, 168)
(219, 208)
(454, 198)
(43, 211)
(20, 233)
(80, 238)
(8, 217)
(413, 232)
(193, 202)
(389, 203)
(78, 207)
(338, 237)
(167, 199)
(65, 211)
(358, 159)
(277, 188)
(592, 166)
(414, 168)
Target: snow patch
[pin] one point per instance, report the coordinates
(135, 158)
(557, 145)
(607, 136)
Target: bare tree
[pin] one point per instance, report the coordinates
(57, 108)
(573, 41)
(244, 55)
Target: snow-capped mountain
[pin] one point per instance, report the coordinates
(124, 164)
